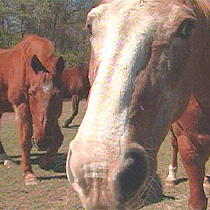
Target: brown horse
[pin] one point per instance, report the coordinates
(31, 84)
(76, 87)
(147, 58)
(194, 122)
(171, 179)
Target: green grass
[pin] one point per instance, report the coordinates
(53, 191)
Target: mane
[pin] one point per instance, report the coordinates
(31, 45)
(202, 5)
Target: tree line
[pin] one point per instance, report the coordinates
(61, 21)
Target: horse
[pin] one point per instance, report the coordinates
(76, 87)
(147, 58)
(193, 114)
(31, 85)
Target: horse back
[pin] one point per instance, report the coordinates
(76, 81)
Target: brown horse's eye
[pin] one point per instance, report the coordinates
(186, 28)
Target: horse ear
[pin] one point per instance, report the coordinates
(60, 65)
(37, 66)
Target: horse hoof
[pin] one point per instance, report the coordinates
(30, 179)
(9, 164)
(206, 183)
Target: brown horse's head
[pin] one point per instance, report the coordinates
(45, 99)
(144, 54)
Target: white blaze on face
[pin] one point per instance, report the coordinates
(124, 50)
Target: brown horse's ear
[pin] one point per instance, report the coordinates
(37, 66)
(60, 65)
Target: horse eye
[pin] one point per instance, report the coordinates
(186, 28)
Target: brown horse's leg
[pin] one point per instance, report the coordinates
(24, 125)
(2, 151)
(171, 179)
(194, 163)
(75, 107)
(51, 152)
(3, 156)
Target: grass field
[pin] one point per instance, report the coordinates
(53, 191)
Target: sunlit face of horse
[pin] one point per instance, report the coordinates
(45, 99)
(140, 81)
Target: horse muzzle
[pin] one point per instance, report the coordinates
(42, 144)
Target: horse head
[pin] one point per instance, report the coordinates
(45, 99)
(142, 65)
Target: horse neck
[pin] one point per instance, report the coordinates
(201, 90)
(200, 60)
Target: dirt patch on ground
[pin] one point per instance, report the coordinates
(7, 118)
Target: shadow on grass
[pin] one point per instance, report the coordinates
(43, 178)
(154, 193)
(71, 126)
(180, 180)
(58, 165)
